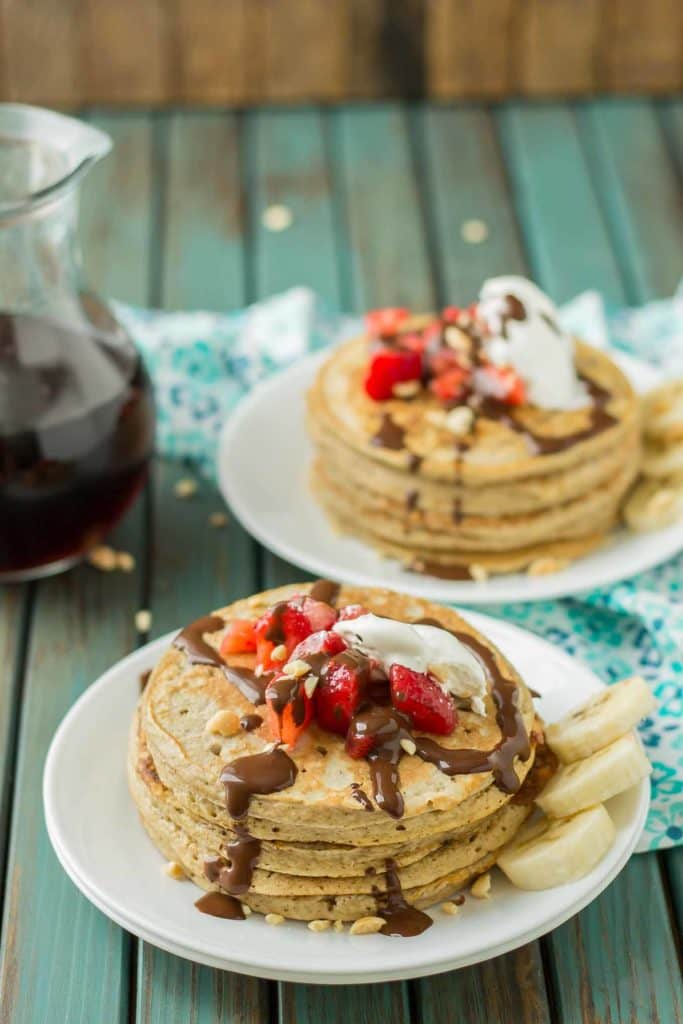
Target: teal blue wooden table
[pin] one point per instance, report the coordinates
(579, 196)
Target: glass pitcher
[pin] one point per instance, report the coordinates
(76, 412)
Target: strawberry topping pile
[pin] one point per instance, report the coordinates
(314, 675)
(445, 356)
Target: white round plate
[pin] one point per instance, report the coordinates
(264, 459)
(94, 828)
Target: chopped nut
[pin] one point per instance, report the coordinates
(174, 870)
(218, 520)
(319, 925)
(450, 908)
(185, 487)
(143, 620)
(338, 926)
(406, 389)
(367, 925)
(460, 342)
(546, 566)
(125, 561)
(478, 573)
(459, 420)
(474, 231)
(103, 557)
(310, 684)
(274, 919)
(409, 746)
(481, 887)
(225, 723)
(437, 417)
(277, 217)
(296, 668)
(246, 910)
(278, 653)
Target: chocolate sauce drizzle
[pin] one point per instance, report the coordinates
(199, 652)
(444, 572)
(390, 434)
(361, 797)
(256, 774)
(250, 722)
(326, 591)
(219, 904)
(400, 918)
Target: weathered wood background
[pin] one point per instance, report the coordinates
(157, 52)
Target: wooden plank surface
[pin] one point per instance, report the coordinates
(556, 47)
(40, 42)
(641, 46)
(124, 56)
(468, 47)
(617, 959)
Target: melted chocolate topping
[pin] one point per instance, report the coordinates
(414, 462)
(286, 690)
(242, 854)
(361, 796)
(325, 590)
(250, 722)
(412, 498)
(276, 632)
(389, 435)
(199, 652)
(256, 774)
(401, 919)
(444, 572)
(386, 727)
(219, 904)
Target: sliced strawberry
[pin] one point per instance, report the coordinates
(444, 360)
(337, 696)
(385, 323)
(240, 637)
(422, 699)
(319, 614)
(358, 746)
(451, 314)
(390, 366)
(503, 383)
(322, 642)
(352, 611)
(450, 386)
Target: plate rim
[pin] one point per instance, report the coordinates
(429, 966)
(520, 587)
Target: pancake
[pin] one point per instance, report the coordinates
(325, 838)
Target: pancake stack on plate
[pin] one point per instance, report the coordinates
(321, 829)
(481, 440)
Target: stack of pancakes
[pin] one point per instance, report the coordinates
(507, 490)
(324, 846)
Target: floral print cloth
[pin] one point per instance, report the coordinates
(203, 363)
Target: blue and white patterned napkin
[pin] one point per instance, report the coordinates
(203, 363)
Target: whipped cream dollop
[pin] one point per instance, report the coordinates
(421, 648)
(524, 332)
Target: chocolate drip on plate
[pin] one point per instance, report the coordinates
(400, 918)
(325, 590)
(256, 774)
(390, 434)
(219, 904)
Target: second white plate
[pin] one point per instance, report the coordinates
(264, 458)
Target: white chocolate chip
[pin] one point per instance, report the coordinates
(409, 746)
(459, 420)
(143, 620)
(367, 925)
(338, 926)
(218, 520)
(481, 888)
(125, 561)
(278, 653)
(319, 925)
(274, 919)
(185, 487)
(546, 566)
(474, 231)
(277, 217)
(103, 558)
(310, 684)
(478, 573)
(406, 389)
(296, 668)
(450, 908)
(224, 723)
(175, 871)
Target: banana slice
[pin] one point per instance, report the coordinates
(595, 779)
(663, 460)
(654, 503)
(663, 412)
(600, 721)
(552, 852)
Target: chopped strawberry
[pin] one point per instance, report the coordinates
(503, 383)
(352, 611)
(240, 637)
(443, 360)
(421, 698)
(450, 386)
(389, 366)
(288, 724)
(322, 642)
(451, 314)
(337, 696)
(320, 615)
(358, 746)
(385, 323)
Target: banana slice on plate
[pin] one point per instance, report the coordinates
(663, 412)
(551, 852)
(596, 778)
(654, 503)
(600, 721)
